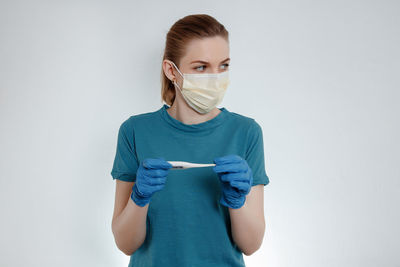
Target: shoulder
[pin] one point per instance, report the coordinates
(250, 129)
(244, 121)
(138, 119)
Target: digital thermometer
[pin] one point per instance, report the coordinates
(186, 165)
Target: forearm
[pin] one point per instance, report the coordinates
(129, 228)
(248, 228)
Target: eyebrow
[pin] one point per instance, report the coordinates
(205, 62)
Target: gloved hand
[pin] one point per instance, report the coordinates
(236, 178)
(150, 178)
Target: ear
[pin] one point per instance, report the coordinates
(168, 69)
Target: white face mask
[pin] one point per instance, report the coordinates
(203, 91)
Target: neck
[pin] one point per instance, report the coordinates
(182, 112)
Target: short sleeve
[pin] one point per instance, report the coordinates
(255, 154)
(125, 161)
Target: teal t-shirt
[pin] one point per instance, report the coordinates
(186, 226)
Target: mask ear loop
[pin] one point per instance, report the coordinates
(175, 83)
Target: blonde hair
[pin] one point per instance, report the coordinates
(196, 26)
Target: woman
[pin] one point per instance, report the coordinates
(198, 216)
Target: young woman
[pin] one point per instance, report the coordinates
(204, 216)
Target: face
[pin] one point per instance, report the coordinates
(208, 55)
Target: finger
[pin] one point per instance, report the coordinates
(149, 190)
(156, 181)
(234, 176)
(241, 186)
(156, 163)
(230, 167)
(157, 173)
(150, 180)
(227, 159)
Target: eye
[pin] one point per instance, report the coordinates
(202, 66)
(226, 65)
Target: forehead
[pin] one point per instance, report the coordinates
(210, 49)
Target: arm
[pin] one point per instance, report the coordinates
(129, 219)
(248, 223)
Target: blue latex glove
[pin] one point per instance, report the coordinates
(236, 178)
(150, 178)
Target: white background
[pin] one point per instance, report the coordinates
(320, 77)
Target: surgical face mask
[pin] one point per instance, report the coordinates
(203, 91)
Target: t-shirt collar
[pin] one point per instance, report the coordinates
(198, 127)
